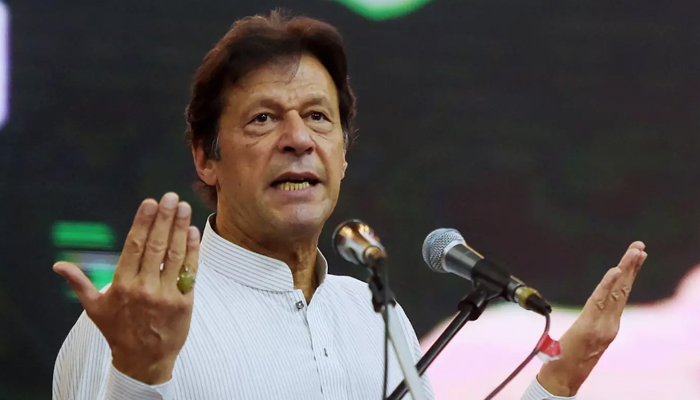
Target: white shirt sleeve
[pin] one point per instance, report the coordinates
(537, 392)
(84, 371)
(122, 387)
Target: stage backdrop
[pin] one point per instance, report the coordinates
(550, 133)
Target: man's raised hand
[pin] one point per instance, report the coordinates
(596, 327)
(143, 315)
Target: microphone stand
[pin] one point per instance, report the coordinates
(470, 309)
(381, 297)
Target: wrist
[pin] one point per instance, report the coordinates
(150, 373)
(559, 380)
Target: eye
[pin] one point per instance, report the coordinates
(262, 118)
(317, 116)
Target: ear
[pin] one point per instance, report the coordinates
(345, 165)
(205, 166)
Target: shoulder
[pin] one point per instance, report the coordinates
(84, 356)
(349, 286)
(358, 291)
(84, 337)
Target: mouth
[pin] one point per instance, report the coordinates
(293, 181)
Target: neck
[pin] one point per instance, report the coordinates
(299, 255)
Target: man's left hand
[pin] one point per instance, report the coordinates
(596, 327)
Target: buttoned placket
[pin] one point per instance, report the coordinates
(330, 372)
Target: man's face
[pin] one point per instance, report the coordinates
(282, 152)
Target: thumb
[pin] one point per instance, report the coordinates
(86, 291)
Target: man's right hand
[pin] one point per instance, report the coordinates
(143, 315)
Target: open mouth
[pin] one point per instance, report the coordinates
(294, 184)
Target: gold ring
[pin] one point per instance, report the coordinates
(185, 281)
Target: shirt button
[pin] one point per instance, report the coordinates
(300, 305)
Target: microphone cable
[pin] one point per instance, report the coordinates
(385, 311)
(543, 339)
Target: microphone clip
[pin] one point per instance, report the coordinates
(476, 301)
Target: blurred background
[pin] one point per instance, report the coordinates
(550, 133)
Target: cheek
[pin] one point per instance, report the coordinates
(337, 178)
(239, 173)
(336, 165)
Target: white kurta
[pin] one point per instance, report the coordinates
(253, 336)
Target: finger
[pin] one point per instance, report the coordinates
(640, 262)
(630, 261)
(177, 249)
(130, 259)
(87, 292)
(638, 245)
(635, 266)
(158, 238)
(630, 264)
(598, 300)
(192, 258)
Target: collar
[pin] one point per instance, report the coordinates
(247, 267)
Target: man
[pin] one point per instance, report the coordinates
(269, 123)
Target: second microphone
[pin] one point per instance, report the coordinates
(444, 250)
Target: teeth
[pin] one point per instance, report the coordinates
(293, 185)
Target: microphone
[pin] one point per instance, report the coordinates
(444, 250)
(355, 241)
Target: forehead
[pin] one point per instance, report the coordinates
(286, 81)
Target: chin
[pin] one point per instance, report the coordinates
(301, 222)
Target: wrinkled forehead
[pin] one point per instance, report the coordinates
(288, 80)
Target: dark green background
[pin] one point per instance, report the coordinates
(550, 133)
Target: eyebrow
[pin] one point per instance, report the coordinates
(271, 102)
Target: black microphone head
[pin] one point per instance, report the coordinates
(435, 244)
(355, 241)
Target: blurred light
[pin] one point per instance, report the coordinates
(4, 63)
(80, 243)
(383, 9)
(93, 235)
(99, 266)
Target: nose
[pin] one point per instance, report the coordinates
(296, 136)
